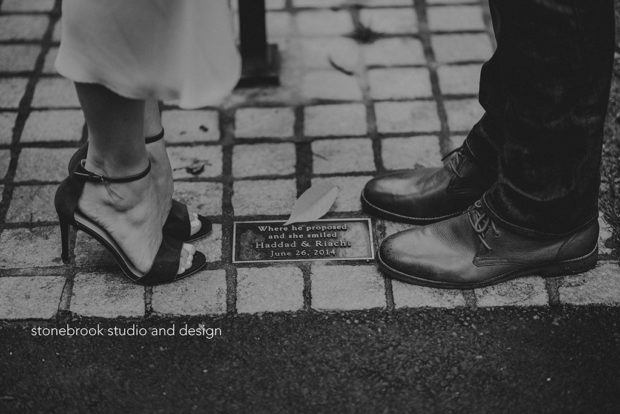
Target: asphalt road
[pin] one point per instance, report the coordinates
(483, 361)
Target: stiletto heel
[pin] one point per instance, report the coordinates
(166, 263)
(178, 222)
(64, 238)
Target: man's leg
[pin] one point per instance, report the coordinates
(556, 71)
(553, 75)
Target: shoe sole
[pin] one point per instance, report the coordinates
(92, 229)
(563, 268)
(373, 210)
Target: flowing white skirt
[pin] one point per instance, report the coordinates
(181, 51)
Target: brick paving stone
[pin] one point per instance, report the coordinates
(43, 164)
(341, 119)
(106, 295)
(274, 95)
(38, 246)
(317, 52)
(11, 91)
(456, 141)
(342, 155)
(447, 1)
(30, 297)
(330, 84)
(393, 227)
(463, 114)
(18, 58)
(318, 3)
(211, 245)
(201, 294)
(57, 31)
(22, 27)
(412, 296)
(347, 288)
(63, 125)
(191, 126)
(31, 204)
(349, 195)
(5, 159)
(406, 153)
(370, 3)
(390, 21)
(394, 51)
(279, 25)
(323, 23)
(7, 121)
(399, 83)
(407, 117)
(455, 18)
(600, 285)
(183, 157)
(271, 197)
(605, 235)
(269, 289)
(529, 291)
(275, 4)
(50, 59)
(54, 93)
(459, 79)
(202, 198)
(462, 47)
(27, 5)
(264, 122)
(263, 159)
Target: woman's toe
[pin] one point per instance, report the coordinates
(190, 249)
(187, 255)
(195, 223)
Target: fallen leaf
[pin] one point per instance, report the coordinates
(196, 168)
(314, 203)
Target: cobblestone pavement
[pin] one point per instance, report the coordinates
(353, 103)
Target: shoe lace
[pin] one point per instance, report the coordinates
(453, 159)
(481, 222)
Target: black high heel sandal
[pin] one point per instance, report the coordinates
(178, 223)
(166, 263)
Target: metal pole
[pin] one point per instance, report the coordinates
(253, 29)
(260, 59)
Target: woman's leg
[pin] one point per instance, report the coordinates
(133, 213)
(162, 171)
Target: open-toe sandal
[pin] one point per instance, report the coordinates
(178, 223)
(166, 263)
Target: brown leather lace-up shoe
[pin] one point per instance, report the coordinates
(472, 251)
(426, 195)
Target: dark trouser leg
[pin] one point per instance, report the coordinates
(554, 65)
(485, 139)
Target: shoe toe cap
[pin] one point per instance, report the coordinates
(417, 254)
(386, 192)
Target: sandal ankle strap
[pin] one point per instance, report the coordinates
(82, 173)
(154, 138)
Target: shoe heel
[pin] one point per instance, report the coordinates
(573, 267)
(64, 239)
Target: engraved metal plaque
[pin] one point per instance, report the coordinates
(330, 239)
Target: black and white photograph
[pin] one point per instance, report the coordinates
(310, 206)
